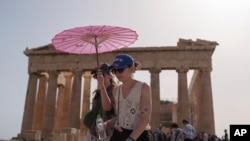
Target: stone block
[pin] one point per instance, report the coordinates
(70, 131)
(31, 135)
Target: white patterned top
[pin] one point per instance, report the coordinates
(129, 107)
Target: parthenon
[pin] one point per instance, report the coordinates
(58, 91)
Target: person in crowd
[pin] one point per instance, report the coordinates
(188, 131)
(159, 135)
(169, 136)
(216, 138)
(132, 101)
(225, 136)
(198, 137)
(108, 84)
(177, 134)
(205, 136)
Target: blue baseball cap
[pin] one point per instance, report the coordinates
(122, 61)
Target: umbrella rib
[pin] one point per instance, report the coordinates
(124, 40)
(69, 42)
(67, 45)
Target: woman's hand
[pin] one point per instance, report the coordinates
(118, 127)
(100, 80)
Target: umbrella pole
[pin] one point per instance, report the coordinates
(97, 54)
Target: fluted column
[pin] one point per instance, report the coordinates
(66, 99)
(174, 112)
(155, 88)
(206, 102)
(50, 105)
(39, 108)
(183, 108)
(86, 96)
(29, 102)
(59, 108)
(76, 100)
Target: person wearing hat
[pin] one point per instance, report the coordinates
(188, 131)
(132, 101)
(176, 132)
(108, 84)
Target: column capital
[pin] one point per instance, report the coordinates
(155, 70)
(87, 74)
(67, 74)
(52, 72)
(77, 72)
(205, 69)
(182, 69)
(33, 73)
(61, 80)
(44, 74)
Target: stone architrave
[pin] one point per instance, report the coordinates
(182, 107)
(50, 104)
(39, 108)
(75, 106)
(28, 114)
(206, 102)
(155, 89)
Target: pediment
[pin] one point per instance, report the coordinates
(46, 49)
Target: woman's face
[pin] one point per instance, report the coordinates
(107, 78)
(123, 74)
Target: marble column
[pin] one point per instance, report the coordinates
(174, 112)
(86, 96)
(155, 88)
(74, 116)
(183, 107)
(194, 100)
(29, 102)
(206, 102)
(50, 105)
(39, 108)
(59, 108)
(66, 99)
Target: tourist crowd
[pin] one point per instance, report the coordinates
(180, 134)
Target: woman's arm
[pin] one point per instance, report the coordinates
(111, 122)
(146, 108)
(106, 101)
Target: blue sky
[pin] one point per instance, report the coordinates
(31, 24)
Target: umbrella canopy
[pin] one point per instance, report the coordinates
(94, 39)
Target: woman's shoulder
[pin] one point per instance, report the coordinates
(115, 89)
(142, 83)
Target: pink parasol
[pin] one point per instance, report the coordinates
(94, 39)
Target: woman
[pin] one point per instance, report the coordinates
(133, 102)
(108, 84)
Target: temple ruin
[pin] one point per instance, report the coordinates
(58, 91)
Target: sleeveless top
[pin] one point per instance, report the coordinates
(129, 107)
